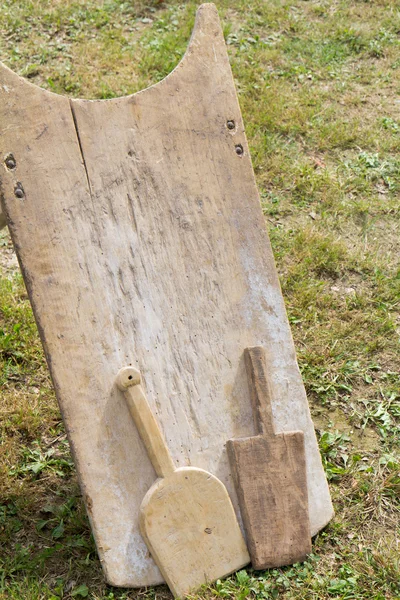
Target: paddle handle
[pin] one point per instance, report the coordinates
(128, 381)
(260, 391)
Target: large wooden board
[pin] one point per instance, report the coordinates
(142, 241)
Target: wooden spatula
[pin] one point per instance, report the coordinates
(269, 471)
(186, 518)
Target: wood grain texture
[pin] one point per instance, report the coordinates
(270, 479)
(152, 252)
(129, 382)
(3, 220)
(191, 529)
(186, 518)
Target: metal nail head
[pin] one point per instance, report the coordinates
(10, 162)
(239, 149)
(19, 191)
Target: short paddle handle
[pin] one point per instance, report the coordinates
(260, 392)
(128, 381)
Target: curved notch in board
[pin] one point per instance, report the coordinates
(204, 40)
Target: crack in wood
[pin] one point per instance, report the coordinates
(80, 146)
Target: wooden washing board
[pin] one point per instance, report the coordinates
(139, 232)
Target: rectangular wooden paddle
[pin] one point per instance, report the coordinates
(186, 518)
(269, 471)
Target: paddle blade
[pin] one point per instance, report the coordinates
(191, 530)
(270, 480)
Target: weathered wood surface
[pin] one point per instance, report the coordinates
(269, 471)
(141, 240)
(186, 518)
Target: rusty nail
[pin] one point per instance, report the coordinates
(230, 124)
(239, 149)
(10, 162)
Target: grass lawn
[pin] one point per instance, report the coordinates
(319, 87)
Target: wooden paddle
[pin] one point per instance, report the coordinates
(269, 471)
(186, 518)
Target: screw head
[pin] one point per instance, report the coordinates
(239, 149)
(10, 162)
(230, 124)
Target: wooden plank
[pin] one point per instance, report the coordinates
(186, 517)
(153, 252)
(270, 478)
